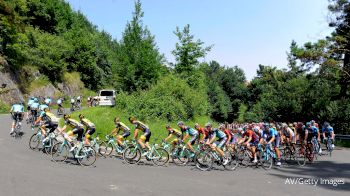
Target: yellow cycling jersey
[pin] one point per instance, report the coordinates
(123, 127)
(139, 125)
(52, 117)
(73, 123)
(87, 123)
(176, 133)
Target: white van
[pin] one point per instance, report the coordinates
(106, 97)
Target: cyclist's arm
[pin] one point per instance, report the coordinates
(186, 136)
(114, 131)
(271, 140)
(228, 139)
(249, 139)
(136, 133)
(306, 134)
(167, 138)
(211, 140)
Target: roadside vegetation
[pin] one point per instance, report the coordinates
(49, 37)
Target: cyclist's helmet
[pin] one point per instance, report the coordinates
(116, 119)
(81, 116)
(36, 100)
(266, 125)
(66, 116)
(221, 126)
(196, 125)
(180, 123)
(46, 109)
(290, 125)
(131, 119)
(308, 124)
(167, 126)
(208, 125)
(326, 124)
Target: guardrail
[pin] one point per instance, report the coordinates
(342, 137)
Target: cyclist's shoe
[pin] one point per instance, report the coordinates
(320, 151)
(144, 152)
(72, 149)
(278, 163)
(225, 161)
(12, 132)
(332, 146)
(255, 161)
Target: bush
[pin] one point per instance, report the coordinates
(4, 108)
(171, 99)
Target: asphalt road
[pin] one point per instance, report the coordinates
(27, 172)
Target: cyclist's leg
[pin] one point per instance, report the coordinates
(191, 142)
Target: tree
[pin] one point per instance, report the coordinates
(139, 60)
(187, 51)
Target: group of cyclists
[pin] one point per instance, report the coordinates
(248, 134)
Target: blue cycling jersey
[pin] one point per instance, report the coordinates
(190, 131)
(42, 107)
(217, 133)
(34, 106)
(270, 133)
(30, 102)
(17, 108)
(328, 129)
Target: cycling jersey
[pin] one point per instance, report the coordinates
(59, 102)
(203, 131)
(34, 106)
(73, 123)
(228, 133)
(252, 134)
(49, 117)
(42, 107)
(288, 132)
(30, 102)
(190, 131)
(87, 123)
(47, 101)
(175, 132)
(123, 127)
(72, 100)
(270, 133)
(328, 129)
(17, 108)
(139, 125)
(217, 133)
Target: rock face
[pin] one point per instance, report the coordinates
(11, 92)
(48, 90)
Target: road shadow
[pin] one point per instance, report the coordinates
(321, 170)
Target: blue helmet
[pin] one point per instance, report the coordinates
(308, 124)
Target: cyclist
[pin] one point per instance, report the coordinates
(79, 99)
(144, 139)
(251, 140)
(34, 107)
(173, 132)
(311, 132)
(228, 133)
(327, 131)
(48, 101)
(72, 102)
(270, 136)
(288, 135)
(30, 102)
(59, 102)
(42, 107)
(120, 126)
(17, 111)
(315, 126)
(90, 128)
(78, 129)
(187, 132)
(202, 131)
(221, 140)
(50, 122)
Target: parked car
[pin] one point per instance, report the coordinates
(105, 98)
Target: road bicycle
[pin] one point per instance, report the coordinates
(37, 142)
(17, 131)
(60, 111)
(133, 154)
(110, 145)
(329, 145)
(85, 155)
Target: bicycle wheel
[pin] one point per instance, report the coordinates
(232, 161)
(106, 149)
(204, 161)
(34, 142)
(266, 160)
(243, 159)
(132, 155)
(160, 156)
(59, 152)
(329, 147)
(300, 157)
(179, 157)
(48, 145)
(86, 156)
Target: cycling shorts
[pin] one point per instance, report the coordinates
(80, 132)
(193, 139)
(90, 131)
(221, 142)
(17, 116)
(50, 126)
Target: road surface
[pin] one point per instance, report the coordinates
(27, 172)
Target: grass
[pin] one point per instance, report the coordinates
(38, 83)
(4, 108)
(103, 118)
(342, 143)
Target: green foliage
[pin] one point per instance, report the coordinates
(4, 108)
(103, 118)
(188, 51)
(139, 61)
(171, 99)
